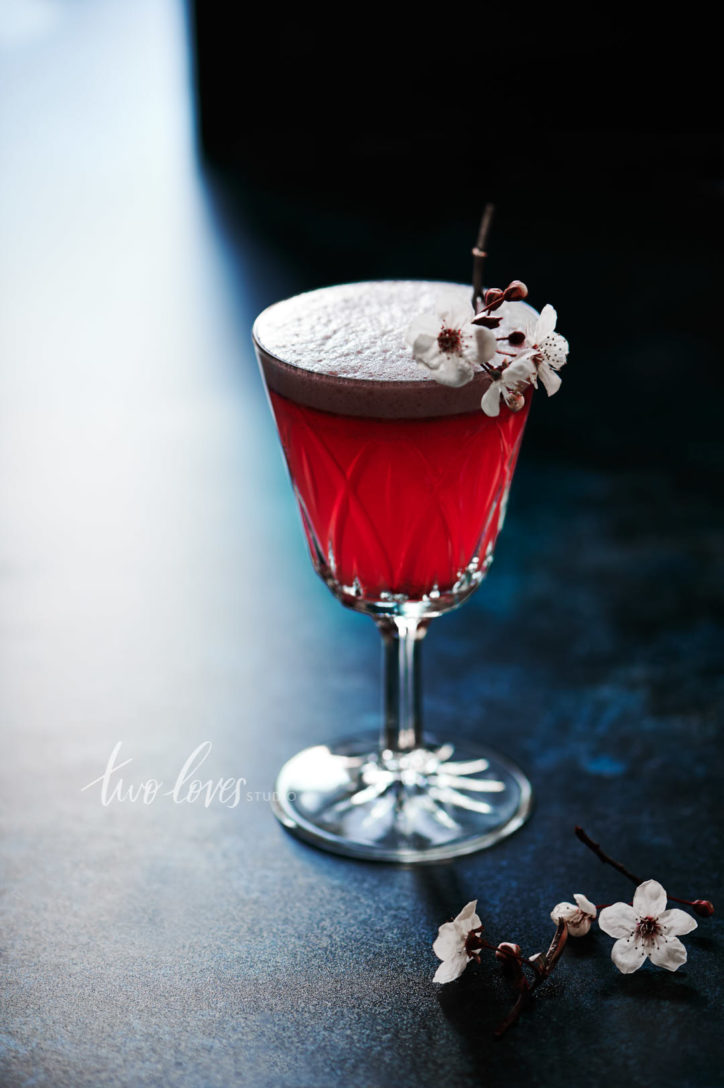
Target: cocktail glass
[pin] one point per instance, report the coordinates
(401, 506)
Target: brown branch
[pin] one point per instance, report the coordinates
(703, 907)
(479, 255)
(543, 967)
(602, 856)
(523, 1000)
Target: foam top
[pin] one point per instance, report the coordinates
(342, 349)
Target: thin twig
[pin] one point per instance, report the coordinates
(703, 907)
(602, 856)
(479, 255)
(522, 1001)
(543, 968)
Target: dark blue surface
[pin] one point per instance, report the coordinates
(155, 592)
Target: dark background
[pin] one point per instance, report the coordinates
(368, 149)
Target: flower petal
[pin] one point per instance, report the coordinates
(519, 316)
(522, 370)
(426, 351)
(668, 952)
(491, 399)
(618, 920)
(585, 904)
(459, 316)
(563, 910)
(423, 324)
(580, 927)
(448, 942)
(649, 900)
(453, 370)
(451, 313)
(628, 954)
(676, 922)
(555, 349)
(451, 968)
(468, 911)
(472, 923)
(549, 378)
(546, 323)
(475, 922)
(485, 344)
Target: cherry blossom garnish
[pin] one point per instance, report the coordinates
(448, 345)
(646, 929)
(508, 383)
(546, 348)
(456, 343)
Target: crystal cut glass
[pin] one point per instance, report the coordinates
(401, 513)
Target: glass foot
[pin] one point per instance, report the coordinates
(423, 805)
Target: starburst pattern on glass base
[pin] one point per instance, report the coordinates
(429, 803)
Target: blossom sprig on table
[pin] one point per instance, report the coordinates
(644, 929)
(455, 343)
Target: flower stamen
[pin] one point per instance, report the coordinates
(647, 928)
(474, 942)
(450, 341)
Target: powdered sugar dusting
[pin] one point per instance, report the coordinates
(354, 330)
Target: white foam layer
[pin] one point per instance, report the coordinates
(342, 349)
(355, 330)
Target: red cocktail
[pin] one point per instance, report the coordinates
(408, 507)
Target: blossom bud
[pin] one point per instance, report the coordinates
(515, 401)
(703, 907)
(508, 955)
(494, 298)
(504, 948)
(538, 962)
(515, 291)
(486, 321)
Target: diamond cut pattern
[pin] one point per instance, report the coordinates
(400, 506)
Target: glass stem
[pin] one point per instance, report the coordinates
(401, 706)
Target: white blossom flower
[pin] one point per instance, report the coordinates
(447, 345)
(646, 929)
(547, 348)
(578, 916)
(451, 943)
(509, 384)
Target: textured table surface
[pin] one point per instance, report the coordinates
(155, 593)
